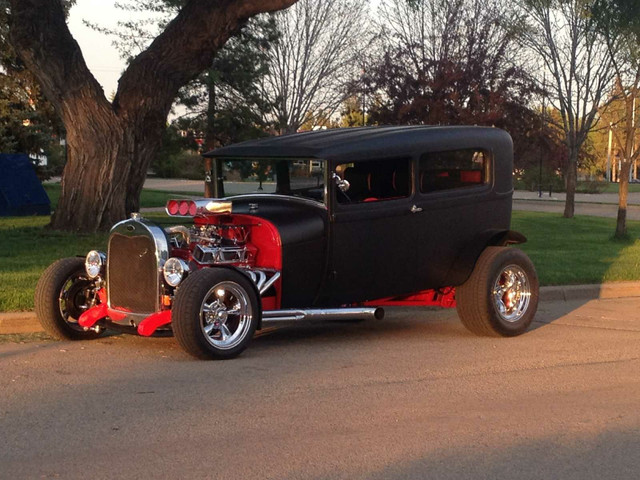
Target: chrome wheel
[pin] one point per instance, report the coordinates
(76, 297)
(226, 315)
(63, 293)
(511, 293)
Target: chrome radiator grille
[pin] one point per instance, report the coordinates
(132, 273)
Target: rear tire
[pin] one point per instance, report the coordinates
(63, 293)
(500, 298)
(215, 314)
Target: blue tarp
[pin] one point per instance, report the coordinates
(21, 192)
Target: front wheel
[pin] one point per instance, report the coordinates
(501, 295)
(63, 293)
(215, 314)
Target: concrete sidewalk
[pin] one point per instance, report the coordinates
(26, 322)
(183, 185)
(598, 198)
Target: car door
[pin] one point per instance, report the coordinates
(455, 202)
(373, 234)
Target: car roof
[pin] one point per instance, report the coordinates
(351, 144)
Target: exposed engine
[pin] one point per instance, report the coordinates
(222, 243)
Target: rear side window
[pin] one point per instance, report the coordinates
(453, 169)
(375, 180)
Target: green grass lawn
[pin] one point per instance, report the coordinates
(148, 198)
(615, 187)
(578, 250)
(564, 251)
(26, 249)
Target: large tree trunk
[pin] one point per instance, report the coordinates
(571, 182)
(111, 145)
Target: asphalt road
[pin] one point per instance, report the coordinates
(413, 396)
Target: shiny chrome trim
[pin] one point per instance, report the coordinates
(183, 265)
(511, 293)
(225, 301)
(203, 206)
(221, 255)
(364, 313)
(288, 198)
(182, 230)
(261, 278)
(162, 251)
(103, 262)
(130, 319)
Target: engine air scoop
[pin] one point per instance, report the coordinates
(191, 208)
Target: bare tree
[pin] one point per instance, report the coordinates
(621, 29)
(564, 37)
(627, 89)
(112, 143)
(436, 31)
(314, 59)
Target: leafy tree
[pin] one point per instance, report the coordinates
(226, 102)
(111, 144)
(351, 113)
(452, 63)
(28, 122)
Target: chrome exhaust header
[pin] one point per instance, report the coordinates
(364, 313)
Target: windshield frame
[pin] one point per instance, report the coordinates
(321, 190)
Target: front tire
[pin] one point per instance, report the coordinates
(500, 298)
(215, 314)
(63, 293)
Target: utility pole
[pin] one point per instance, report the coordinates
(608, 173)
(633, 136)
(544, 82)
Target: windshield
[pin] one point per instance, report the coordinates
(298, 178)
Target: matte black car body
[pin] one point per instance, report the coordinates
(351, 253)
(358, 219)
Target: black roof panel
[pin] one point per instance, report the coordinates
(347, 144)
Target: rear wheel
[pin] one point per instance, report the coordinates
(501, 295)
(215, 314)
(63, 293)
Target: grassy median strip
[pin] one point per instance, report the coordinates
(578, 250)
(26, 249)
(564, 251)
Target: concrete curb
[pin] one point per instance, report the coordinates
(590, 292)
(26, 322)
(19, 322)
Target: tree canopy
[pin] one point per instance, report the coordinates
(111, 144)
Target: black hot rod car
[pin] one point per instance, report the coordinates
(342, 223)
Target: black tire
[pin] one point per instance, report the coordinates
(485, 303)
(201, 316)
(62, 294)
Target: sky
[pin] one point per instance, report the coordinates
(102, 58)
(100, 55)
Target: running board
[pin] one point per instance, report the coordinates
(373, 313)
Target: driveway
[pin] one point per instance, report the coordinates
(413, 396)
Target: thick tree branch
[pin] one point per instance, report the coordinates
(185, 48)
(39, 33)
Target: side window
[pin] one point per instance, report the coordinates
(374, 180)
(453, 169)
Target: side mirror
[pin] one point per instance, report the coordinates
(342, 184)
